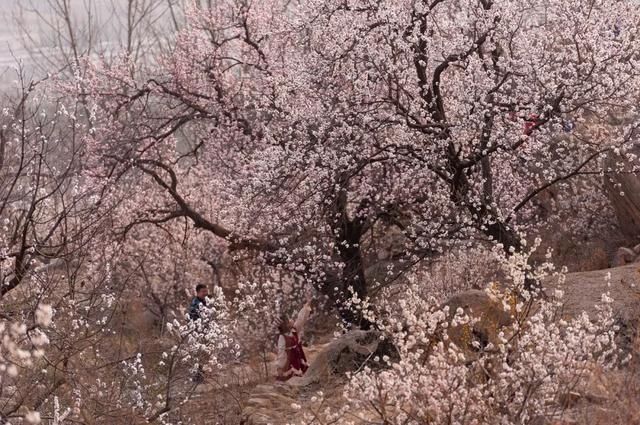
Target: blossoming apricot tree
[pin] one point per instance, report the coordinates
(309, 132)
(334, 142)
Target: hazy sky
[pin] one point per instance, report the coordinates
(107, 18)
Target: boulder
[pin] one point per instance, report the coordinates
(583, 291)
(623, 256)
(489, 317)
(623, 190)
(349, 353)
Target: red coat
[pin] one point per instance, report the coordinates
(530, 124)
(296, 364)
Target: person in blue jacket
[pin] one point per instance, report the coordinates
(199, 301)
(195, 309)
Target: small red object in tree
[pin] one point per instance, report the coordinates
(530, 124)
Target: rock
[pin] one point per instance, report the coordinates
(490, 315)
(348, 353)
(623, 190)
(583, 291)
(623, 256)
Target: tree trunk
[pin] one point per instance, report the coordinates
(347, 234)
(353, 280)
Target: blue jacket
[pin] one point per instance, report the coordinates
(194, 308)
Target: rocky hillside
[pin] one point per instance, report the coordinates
(277, 403)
